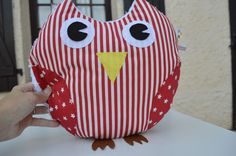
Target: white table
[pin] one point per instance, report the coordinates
(176, 135)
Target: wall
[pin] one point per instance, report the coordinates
(205, 86)
(22, 36)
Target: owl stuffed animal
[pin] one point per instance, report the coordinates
(113, 79)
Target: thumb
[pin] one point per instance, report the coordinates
(42, 97)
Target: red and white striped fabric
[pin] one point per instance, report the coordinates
(85, 99)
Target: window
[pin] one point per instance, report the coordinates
(160, 4)
(8, 71)
(40, 9)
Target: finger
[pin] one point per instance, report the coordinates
(41, 97)
(41, 110)
(28, 87)
(44, 122)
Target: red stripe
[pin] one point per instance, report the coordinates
(127, 89)
(59, 40)
(115, 36)
(103, 85)
(144, 76)
(48, 43)
(46, 48)
(97, 83)
(109, 87)
(149, 67)
(154, 47)
(121, 83)
(54, 39)
(41, 49)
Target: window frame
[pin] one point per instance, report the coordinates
(232, 11)
(160, 4)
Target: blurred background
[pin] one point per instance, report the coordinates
(207, 85)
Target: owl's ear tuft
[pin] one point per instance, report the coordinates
(66, 1)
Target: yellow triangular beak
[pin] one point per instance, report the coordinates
(112, 63)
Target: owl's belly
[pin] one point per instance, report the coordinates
(116, 109)
(112, 114)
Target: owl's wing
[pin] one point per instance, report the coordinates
(61, 106)
(164, 98)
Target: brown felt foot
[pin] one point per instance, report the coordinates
(135, 138)
(103, 144)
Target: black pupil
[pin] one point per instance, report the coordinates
(74, 31)
(137, 31)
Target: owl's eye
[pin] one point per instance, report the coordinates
(139, 34)
(77, 32)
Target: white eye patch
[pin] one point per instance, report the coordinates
(139, 34)
(77, 33)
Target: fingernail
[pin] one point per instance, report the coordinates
(47, 91)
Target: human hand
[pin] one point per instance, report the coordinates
(17, 110)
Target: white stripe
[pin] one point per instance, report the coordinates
(106, 92)
(141, 85)
(168, 44)
(124, 92)
(161, 49)
(146, 76)
(43, 49)
(82, 93)
(130, 89)
(47, 46)
(100, 85)
(88, 76)
(52, 51)
(94, 88)
(58, 38)
(158, 43)
(135, 76)
(173, 39)
(118, 79)
(112, 105)
(38, 53)
(151, 59)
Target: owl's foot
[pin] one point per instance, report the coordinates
(103, 144)
(135, 138)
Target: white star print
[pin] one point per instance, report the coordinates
(42, 75)
(161, 113)
(65, 118)
(43, 72)
(56, 80)
(53, 95)
(63, 104)
(150, 122)
(72, 116)
(69, 128)
(169, 87)
(58, 93)
(155, 110)
(51, 109)
(71, 101)
(163, 83)
(159, 96)
(176, 77)
(56, 107)
(62, 90)
(51, 83)
(166, 101)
